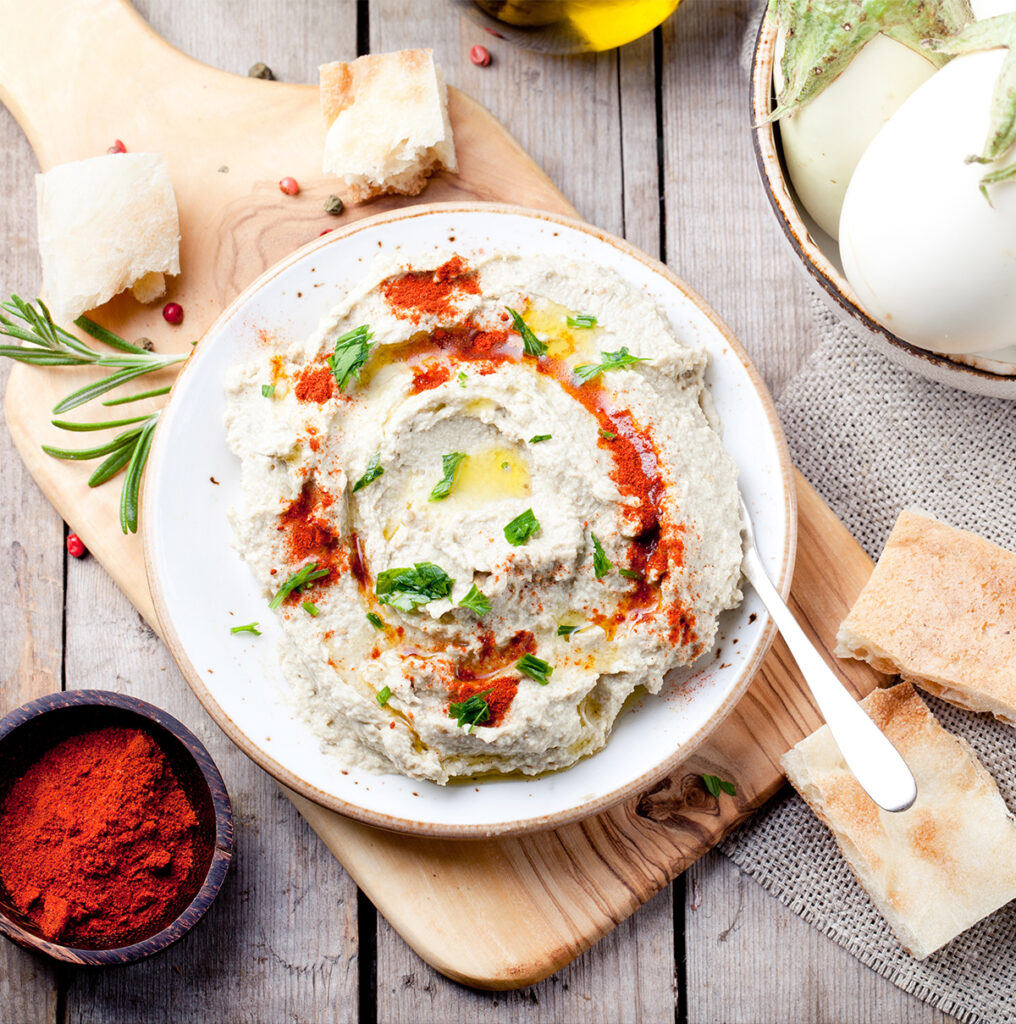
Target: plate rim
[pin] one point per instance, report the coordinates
(518, 826)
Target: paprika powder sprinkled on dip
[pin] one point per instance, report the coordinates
(530, 514)
(99, 843)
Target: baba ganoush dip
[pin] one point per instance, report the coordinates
(488, 500)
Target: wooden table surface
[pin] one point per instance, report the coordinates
(651, 142)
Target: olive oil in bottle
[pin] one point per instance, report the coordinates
(570, 26)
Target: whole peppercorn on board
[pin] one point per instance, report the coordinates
(536, 901)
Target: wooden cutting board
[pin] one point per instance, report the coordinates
(535, 902)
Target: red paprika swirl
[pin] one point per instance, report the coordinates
(528, 430)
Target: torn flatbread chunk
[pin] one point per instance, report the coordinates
(388, 125)
(940, 609)
(936, 869)
(106, 224)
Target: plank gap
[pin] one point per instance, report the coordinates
(362, 27)
(660, 179)
(620, 140)
(366, 930)
(679, 895)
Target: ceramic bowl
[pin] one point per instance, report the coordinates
(983, 374)
(34, 728)
(202, 587)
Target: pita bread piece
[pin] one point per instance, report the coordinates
(935, 869)
(940, 609)
(388, 126)
(106, 224)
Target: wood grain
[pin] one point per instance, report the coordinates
(293, 39)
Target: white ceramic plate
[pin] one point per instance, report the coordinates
(198, 580)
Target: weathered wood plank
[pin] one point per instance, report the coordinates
(721, 236)
(567, 114)
(280, 943)
(31, 569)
(628, 976)
(752, 960)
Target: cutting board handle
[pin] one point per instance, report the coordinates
(58, 57)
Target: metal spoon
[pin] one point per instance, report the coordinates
(875, 762)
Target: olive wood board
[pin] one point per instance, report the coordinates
(491, 913)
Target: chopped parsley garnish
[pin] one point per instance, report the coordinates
(375, 620)
(251, 627)
(521, 528)
(449, 466)
(566, 631)
(267, 390)
(311, 609)
(611, 361)
(714, 784)
(300, 579)
(631, 574)
(537, 438)
(473, 711)
(462, 378)
(476, 601)
(607, 435)
(351, 351)
(531, 344)
(601, 563)
(407, 589)
(373, 471)
(382, 695)
(535, 668)
(581, 320)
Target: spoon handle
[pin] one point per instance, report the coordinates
(875, 762)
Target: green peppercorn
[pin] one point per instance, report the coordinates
(260, 70)
(334, 205)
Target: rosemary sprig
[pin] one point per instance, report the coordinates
(45, 343)
(129, 448)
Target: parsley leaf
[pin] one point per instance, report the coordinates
(472, 711)
(373, 471)
(407, 589)
(631, 574)
(267, 390)
(535, 668)
(601, 563)
(375, 620)
(300, 579)
(566, 631)
(311, 609)
(521, 528)
(531, 344)
(611, 361)
(449, 466)
(581, 320)
(251, 627)
(537, 438)
(382, 695)
(476, 601)
(351, 352)
(714, 784)
(607, 435)
(462, 378)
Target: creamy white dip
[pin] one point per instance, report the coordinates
(633, 461)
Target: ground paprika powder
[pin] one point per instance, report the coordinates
(99, 843)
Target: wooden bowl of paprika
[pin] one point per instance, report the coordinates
(116, 829)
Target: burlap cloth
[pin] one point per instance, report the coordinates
(873, 438)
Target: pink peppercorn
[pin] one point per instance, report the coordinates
(480, 56)
(117, 147)
(75, 545)
(290, 186)
(172, 313)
